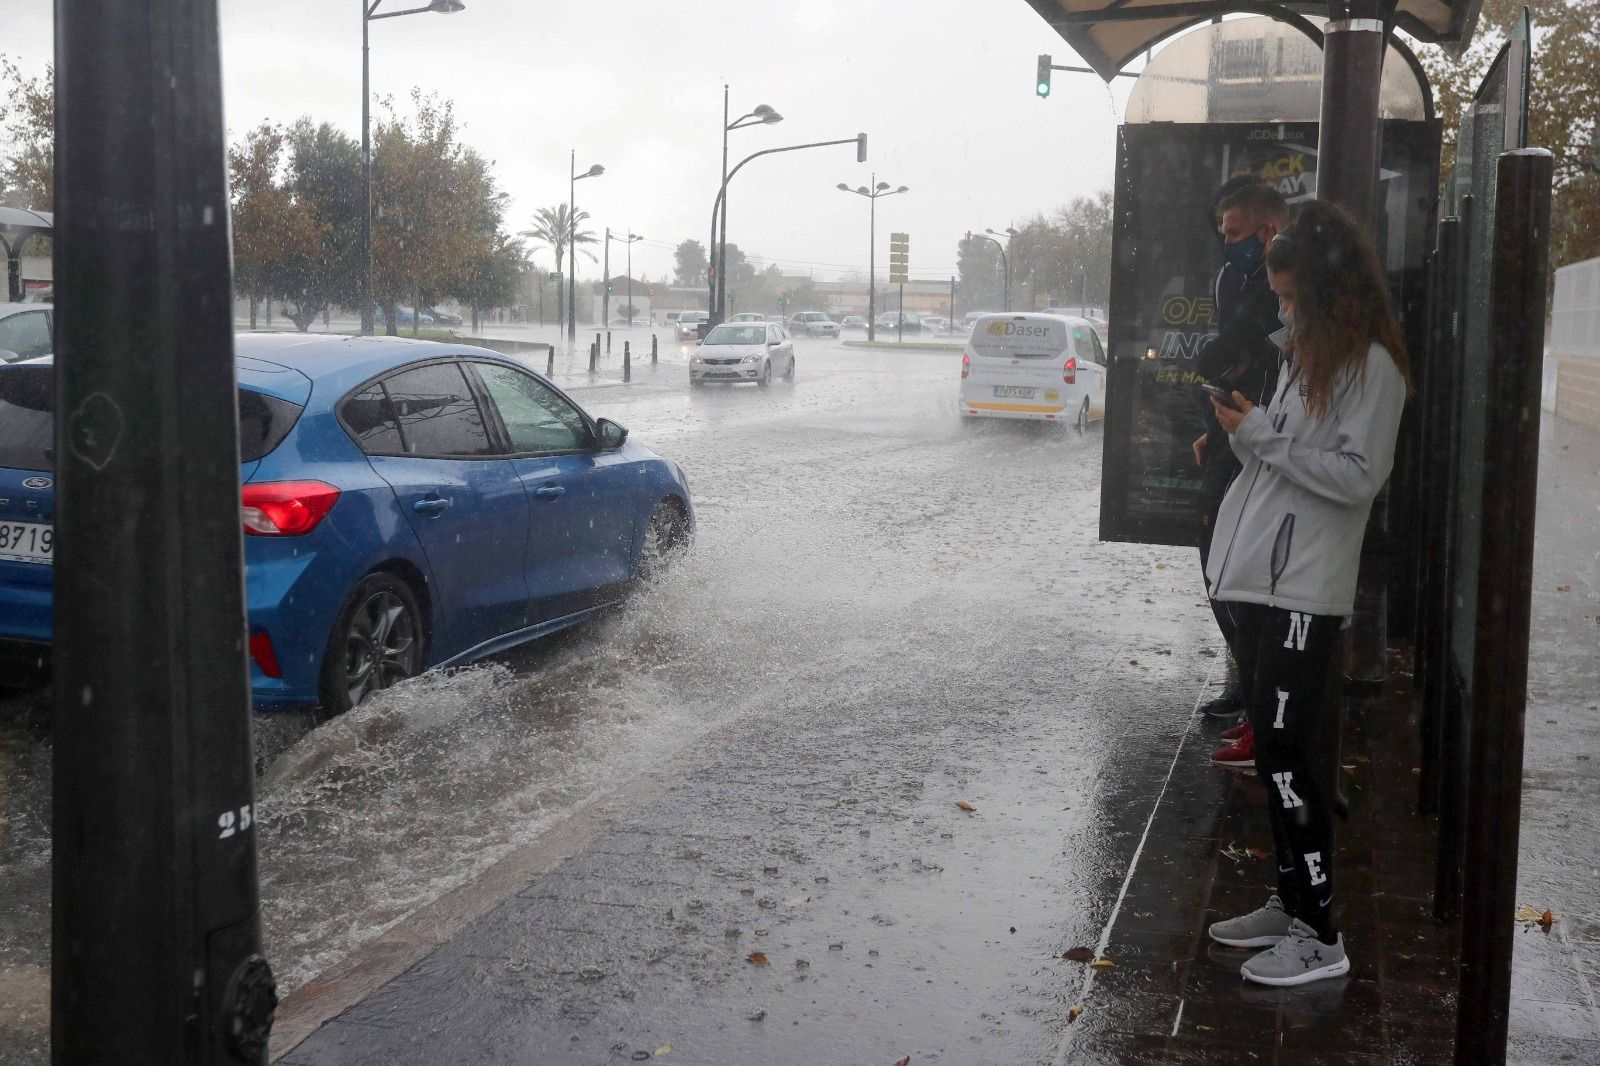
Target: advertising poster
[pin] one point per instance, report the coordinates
(1165, 259)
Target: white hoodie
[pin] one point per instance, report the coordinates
(1289, 531)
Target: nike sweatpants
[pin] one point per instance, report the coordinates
(1285, 659)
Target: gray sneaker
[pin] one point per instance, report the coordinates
(1261, 928)
(1298, 959)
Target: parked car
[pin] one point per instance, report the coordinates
(1034, 366)
(405, 506)
(402, 317)
(743, 351)
(748, 316)
(912, 322)
(688, 324)
(813, 324)
(853, 322)
(27, 331)
(935, 324)
(442, 317)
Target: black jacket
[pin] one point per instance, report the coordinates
(1243, 357)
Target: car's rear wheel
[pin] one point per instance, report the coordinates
(1082, 425)
(665, 537)
(376, 643)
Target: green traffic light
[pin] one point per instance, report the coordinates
(1043, 88)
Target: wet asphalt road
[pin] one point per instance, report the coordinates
(859, 549)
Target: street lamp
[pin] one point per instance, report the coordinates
(879, 189)
(605, 301)
(763, 115)
(573, 177)
(1005, 262)
(369, 13)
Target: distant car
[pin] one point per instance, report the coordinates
(1034, 366)
(27, 331)
(403, 317)
(813, 324)
(405, 505)
(743, 351)
(911, 324)
(853, 322)
(935, 324)
(444, 318)
(688, 324)
(748, 316)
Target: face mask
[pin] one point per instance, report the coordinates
(1244, 255)
(1287, 318)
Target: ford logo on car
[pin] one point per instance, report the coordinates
(36, 482)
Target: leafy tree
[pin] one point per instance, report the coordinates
(326, 184)
(495, 276)
(982, 279)
(259, 202)
(691, 263)
(27, 138)
(1562, 113)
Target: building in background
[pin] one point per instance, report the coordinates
(1573, 355)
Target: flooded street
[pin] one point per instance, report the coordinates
(855, 542)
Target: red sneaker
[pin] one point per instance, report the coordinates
(1232, 735)
(1240, 755)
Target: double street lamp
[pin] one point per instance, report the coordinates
(369, 14)
(1005, 263)
(763, 115)
(573, 177)
(878, 189)
(605, 302)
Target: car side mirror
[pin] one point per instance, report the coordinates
(609, 434)
(772, 344)
(8, 356)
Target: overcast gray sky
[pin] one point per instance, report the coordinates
(942, 87)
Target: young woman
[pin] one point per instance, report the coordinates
(1285, 553)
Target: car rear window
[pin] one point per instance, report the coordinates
(1019, 338)
(27, 419)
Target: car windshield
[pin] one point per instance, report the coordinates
(729, 334)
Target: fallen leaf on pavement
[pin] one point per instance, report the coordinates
(1072, 1015)
(904, 1060)
(756, 957)
(964, 805)
(1563, 588)
(1078, 954)
(798, 901)
(665, 1049)
(1101, 964)
(1547, 919)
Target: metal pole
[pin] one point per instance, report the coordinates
(1348, 128)
(900, 316)
(719, 310)
(1005, 265)
(155, 917)
(572, 248)
(654, 353)
(605, 297)
(1505, 593)
(872, 260)
(952, 305)
(366, 178)
(630, 279)
(594, 357)
(627, 361)
(550, 362)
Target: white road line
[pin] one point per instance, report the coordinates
(1133, 866)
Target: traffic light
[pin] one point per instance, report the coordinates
(1041, 83)
(861, 148)
(608, 288)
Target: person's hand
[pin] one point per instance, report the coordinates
(1200, 450)
(1230, 417)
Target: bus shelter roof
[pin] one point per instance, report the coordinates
(1108, 33)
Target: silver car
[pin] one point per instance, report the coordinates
(743, 351)
(813, 324)
(27, 331)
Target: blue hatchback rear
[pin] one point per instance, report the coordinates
(404, 505)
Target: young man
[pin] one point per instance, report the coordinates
(1241, 357)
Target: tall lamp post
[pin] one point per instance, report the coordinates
(763, 115)
(369, 13)
(878, 189)
(1005, 263)
(573, 177)
(605, 302)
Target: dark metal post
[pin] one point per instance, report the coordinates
(627, 361)
(952, 305)
(1505, 591)
(550, 362)
(572, 249)
(156, 935)
(654, 355)
(1348, 130)
(900, 316)
(605, 296)
(366, 175)
(608, 342)
(719, 247)
(594, 357)
(872, 262)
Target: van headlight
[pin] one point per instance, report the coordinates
(751, 359)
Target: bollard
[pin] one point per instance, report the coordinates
(550, 362)
(653, 353)
(627, 361)
(608, 342)
(594, 357)
(597, 344)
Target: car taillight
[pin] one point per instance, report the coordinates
(1069, 370)
(261, 651)
(285, 508)
(966, 365)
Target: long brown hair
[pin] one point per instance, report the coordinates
(1341, 299)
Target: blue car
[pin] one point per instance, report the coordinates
(405, 505)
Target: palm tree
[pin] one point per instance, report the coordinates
(557, 228)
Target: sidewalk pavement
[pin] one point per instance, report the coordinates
(803, 888)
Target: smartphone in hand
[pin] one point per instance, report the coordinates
(1222, 396)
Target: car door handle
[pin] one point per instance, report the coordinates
(548, 492)
(432, 505)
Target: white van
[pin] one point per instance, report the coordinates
(1037, 366)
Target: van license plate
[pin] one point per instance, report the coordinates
(1018, 392)
(27, 542)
